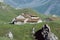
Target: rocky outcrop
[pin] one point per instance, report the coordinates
(45, 34)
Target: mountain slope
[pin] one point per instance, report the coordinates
(7, 13)
(22, 32)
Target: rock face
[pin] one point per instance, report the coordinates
(10, 35)
(38, 35)
(52, 36)
(45, 34)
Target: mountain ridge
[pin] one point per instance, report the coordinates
(40, 8)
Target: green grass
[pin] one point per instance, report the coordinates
(4, 38)
(22, 32)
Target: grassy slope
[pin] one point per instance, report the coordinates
(22, 32)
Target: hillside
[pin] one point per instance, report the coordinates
(22, 32)
(7, 13)
(42, 6)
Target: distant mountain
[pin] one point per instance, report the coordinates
(42, 6)
(52, 7)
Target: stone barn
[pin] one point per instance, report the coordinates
(26, 18)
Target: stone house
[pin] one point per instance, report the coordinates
(26, 18)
